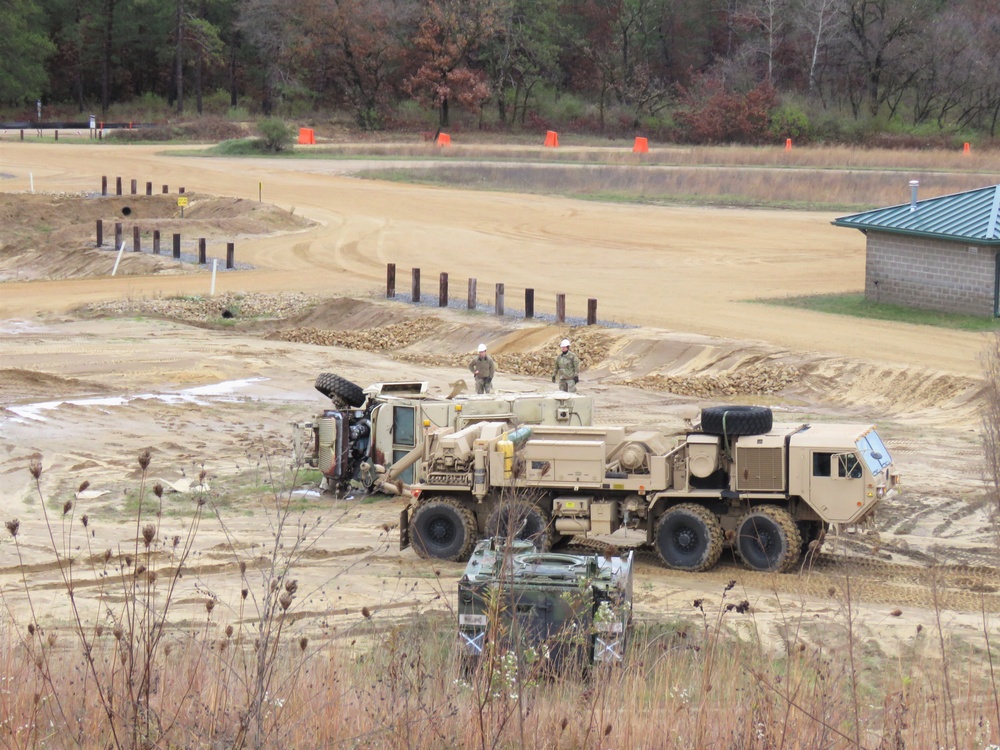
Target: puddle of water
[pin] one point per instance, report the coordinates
(225, 391)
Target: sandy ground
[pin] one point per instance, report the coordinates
(84, 396)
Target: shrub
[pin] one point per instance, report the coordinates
(789, 121)
(709, 113)
(275, 134)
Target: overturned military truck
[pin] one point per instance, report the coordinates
(735, 477)
(367, 430)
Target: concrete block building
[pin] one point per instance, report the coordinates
(936, 254)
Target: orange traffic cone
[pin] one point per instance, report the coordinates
(966, 149)
(641, 146)
(444, 139)
(552, 139)
(788, 144)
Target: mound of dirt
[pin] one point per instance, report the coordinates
(17, 384)
(53, 236)
(232, 306)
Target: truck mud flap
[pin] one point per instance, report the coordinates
(404, 528)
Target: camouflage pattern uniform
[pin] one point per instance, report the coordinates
(483, 368)
(567, 370)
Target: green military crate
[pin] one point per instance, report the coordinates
(563, 607)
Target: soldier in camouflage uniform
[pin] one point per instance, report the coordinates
(483, 368)
(567, 370)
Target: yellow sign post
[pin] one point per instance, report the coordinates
(182, 202)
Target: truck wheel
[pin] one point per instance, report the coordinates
(523, 519)
(736, 420)
(768, 540)
(334, 386)
(689, 537)
(441, 528)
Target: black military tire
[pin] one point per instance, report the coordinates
(509, 515)
(442, 529)
(689, 537)
(736, 420)
(334, 386)
(768, 540)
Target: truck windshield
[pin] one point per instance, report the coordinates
(874, 452)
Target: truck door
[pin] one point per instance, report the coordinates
(404, 438)
(836, 485)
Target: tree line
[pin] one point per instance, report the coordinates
(723, 69)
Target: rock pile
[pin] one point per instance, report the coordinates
(753, 380)
(380, 339)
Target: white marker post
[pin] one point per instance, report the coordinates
(215, 265)
(31, 179)
(118, 259)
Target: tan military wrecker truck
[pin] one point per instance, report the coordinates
(771, 490)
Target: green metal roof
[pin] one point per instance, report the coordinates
(971, 216)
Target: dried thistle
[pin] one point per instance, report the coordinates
(607, 730)
(201, 477)
(31, 628)
(85, 520)
(52, 639)
(151, 576)
(243, 567)
(229, 631)
(99, 631)
(128, 561)
(83, 485)
(148, 532)
(119, 632)
(291, 586)
(35, 467)
(144, 459)
(201, 500)
(67, 507)
(303, 642)
(563, 724)
(13, 526)
(244, 593)
(158, 490)
(209, 605)
(285, 601)
(920, 628)
(896, 612)
(140, 569)
(107, 555)
(366, 613)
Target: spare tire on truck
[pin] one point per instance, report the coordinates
(334, 386)
(736, 420)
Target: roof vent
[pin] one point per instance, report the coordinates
(914, 184)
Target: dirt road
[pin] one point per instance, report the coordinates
(681, 269)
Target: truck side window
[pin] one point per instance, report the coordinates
(821, 464)
(402, 425)
(849, 466)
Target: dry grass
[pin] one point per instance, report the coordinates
(811, 177)
(717, 675)
(705, 679)
(804, 188)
